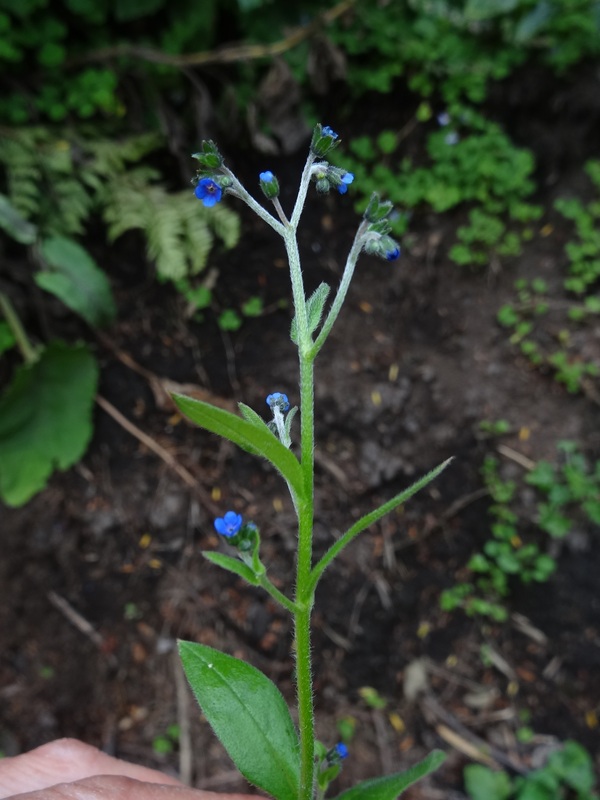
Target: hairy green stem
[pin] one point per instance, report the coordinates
(278, 596)
(238, 189)
(18, 331)
(342, 289)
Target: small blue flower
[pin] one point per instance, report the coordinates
(228, 525)
(278, 400)
(452, 138)
(326, 131)
(443, 119)
(393, 254)
(267, 176)
(209, 192)
(341, 750)
(346, 181)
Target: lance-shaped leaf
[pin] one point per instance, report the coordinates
(247, 435)
(314, 310)
(232, 565)
(250, 717)
(389, 787)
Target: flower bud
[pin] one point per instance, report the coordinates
(209, 158)
(377, 209)
(323, 140)
(269, 185)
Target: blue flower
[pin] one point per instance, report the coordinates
(452, 138)
(267, 176)
(278, 400)
(346, 181)
(326, 131)
(443, 119)
(209, 192)
(341, 750)
(393, 254)
(229, 525)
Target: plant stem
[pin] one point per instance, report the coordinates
(243, 194)
(304, 597)
(342, 289)
(278, 596)
(18, 331)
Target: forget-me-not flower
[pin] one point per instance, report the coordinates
(278, 400)
(228, 525)
(209, 192)
(346, 181)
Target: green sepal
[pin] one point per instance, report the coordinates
(247, 435)
(314, 310)
(232, 565)
(248, 714)
(389, 787)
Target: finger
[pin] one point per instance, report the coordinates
(64, 761)
(115, 787)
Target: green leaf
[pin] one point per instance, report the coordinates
(483, 783)
(247, 435)
(250, 415)
(249, 715)
(45, 419)
(75, 278)
(14, 224)
(389, 787)
(314, 310)
(533, 22)
(7, 338)
(232, 565)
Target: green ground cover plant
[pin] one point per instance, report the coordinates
(567, 490)
(568, 772)
(469, 163)
(532, 317)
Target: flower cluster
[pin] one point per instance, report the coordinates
(278, 400)
(376, 240)
(328, 177)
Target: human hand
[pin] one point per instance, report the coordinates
(70, 770)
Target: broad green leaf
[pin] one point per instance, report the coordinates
(533, 22)
(483, 783)
(246, 435)
(250, 717)
(314, 310)
(14, 224)
(45, 419)
(389, 787)
(75, 278)
(231, 565)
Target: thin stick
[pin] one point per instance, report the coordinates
(183, 720)
(160, 451)
(224, 55)
(78, 621)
